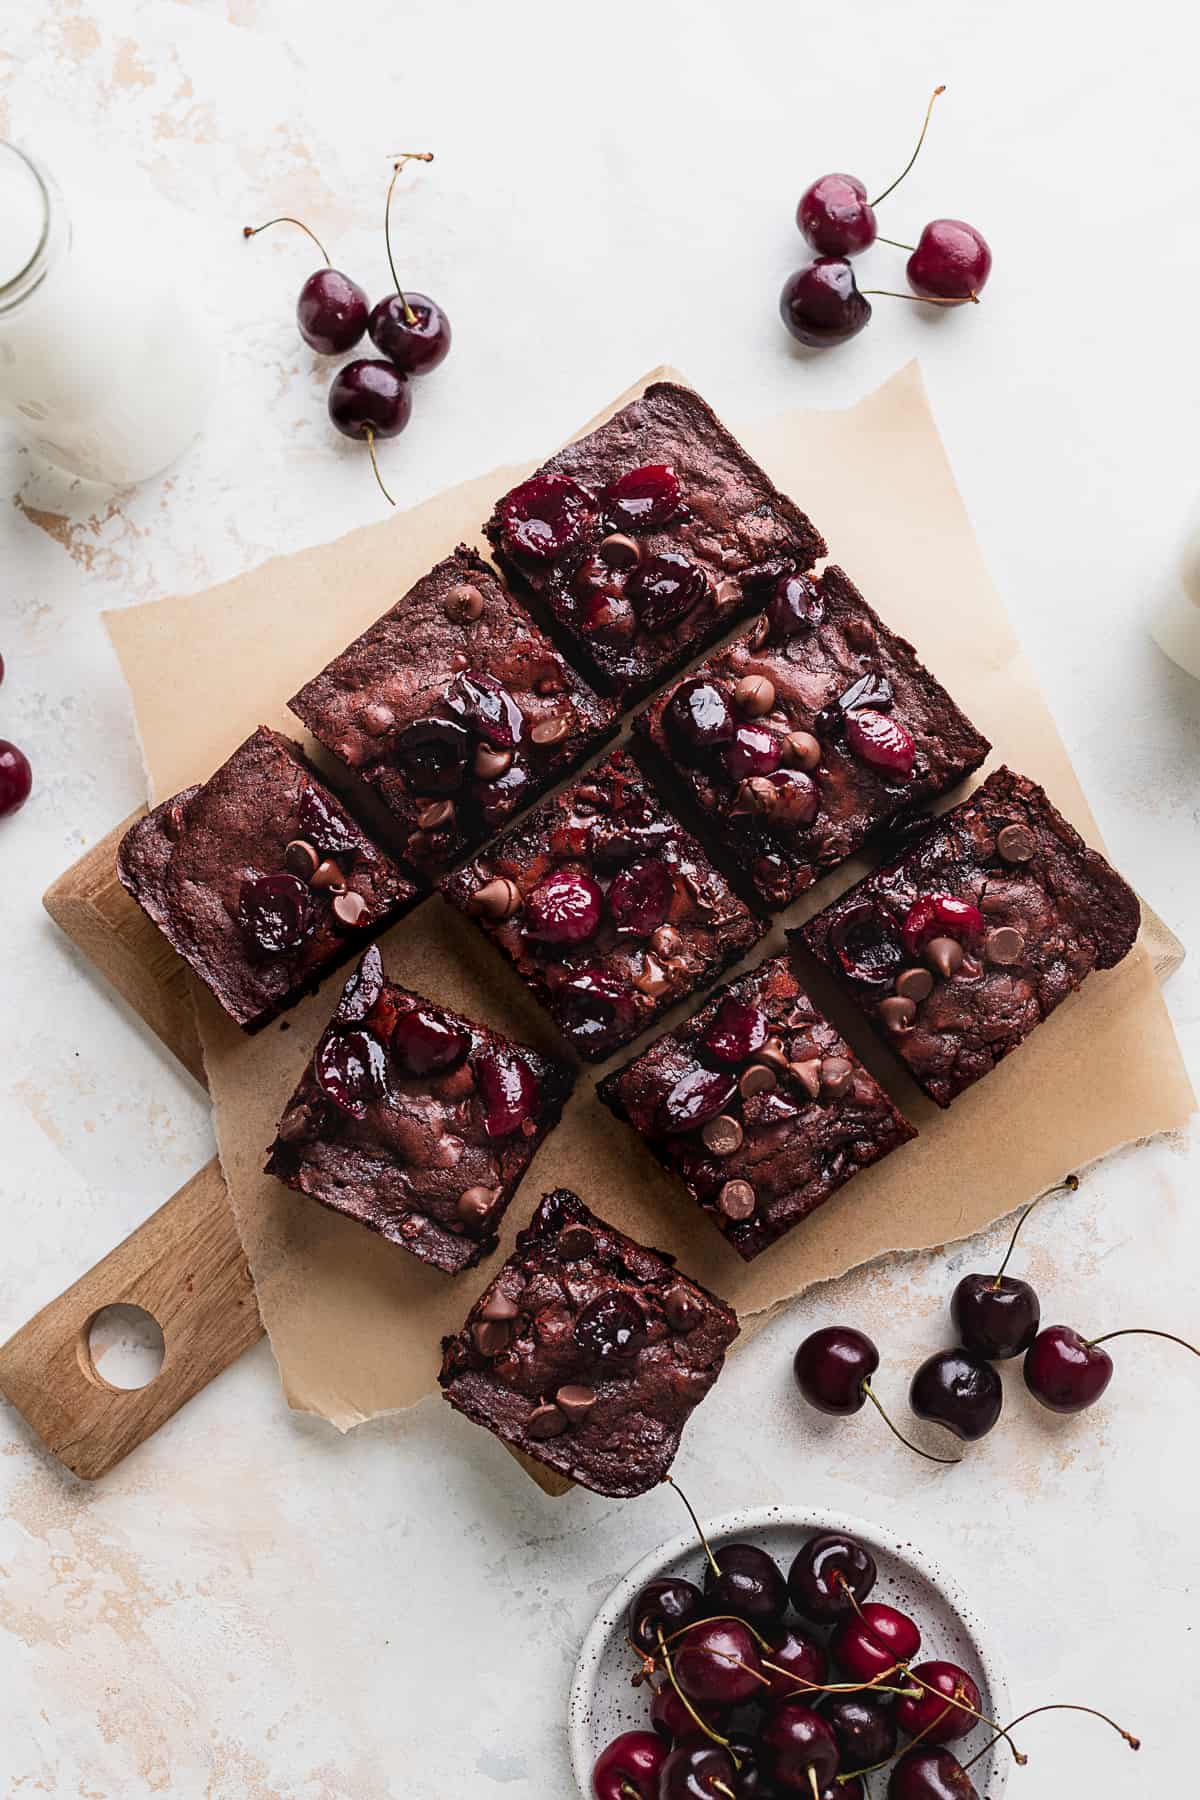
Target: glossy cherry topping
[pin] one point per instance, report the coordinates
(940, 915)
(643, 498)
(881, 742)
(699, 716)
(796, 800)
(640, 897)
(664, 589)
(425, 1043)
(867, 944)
(497, 800)
(275, 913)
(362, 990)
(796, 605)
(564, 908)
(546, 515)
(594, 1001)
(754, 751)
(738, 1032)
(695, 1098)
(321, 827)
(432, 755)
(351, 1069)
(487, 706)
(611, 1326)
(508, 1089)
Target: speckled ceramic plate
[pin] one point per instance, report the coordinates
(604, 1702)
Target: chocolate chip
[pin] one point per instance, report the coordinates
(550, 682)
(859, 633)
(475, 1203)
(897, 1013)
(727, 592)
(575, 1242)
(681, 1306)
(1015, 843)
(491, 764)
(173, 818)
(545, 1422)
(914, 984)
(328, 875)
(437, 815)
(1004, 945)
(755, 796)
(837, 1076)
(757, 1079)
(807, 1075)
(295, 1124)
(301, 859)
(803, 750)
(490, 1336)
(550, 731)
(945, 954)
(666, 941)
(773, 1054)
(349, 909)
(737, 1200)
(377, 719)
(459, 661)
(464, 603)
(498, 1307)
(496, 899)
(575, 1400)
(652, 979)
(619, 551)
(722, 1135)
(754, 695)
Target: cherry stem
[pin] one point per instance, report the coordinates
(249, 231)
(630, 1792)
(687, 1705)
(924, 299)
(1143, 1331)
(713, 1564)
(1062, 1706)
(894, 242)
(1068, 1185)
(877, 1684)
(812, 1782)
(721, 1619)
(402, 157)
(912, 159)
(950, 1461)
(375, 465)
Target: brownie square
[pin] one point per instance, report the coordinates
(588, 1351)
(650, 536)
(416, 1121)
(808, 733)
(972, 937)
(606, 907)
(758, 1106)
(260, 879)
(456, 709)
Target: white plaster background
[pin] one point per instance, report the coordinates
(252, 1608)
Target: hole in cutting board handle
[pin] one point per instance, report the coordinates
(122, 1347)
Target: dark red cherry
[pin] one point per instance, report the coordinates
(643, 499)
(275, 913)
(749, 1583)
(937, 1717)
(940, 915)
(823, 1569)
(545, 516)
(835, 216)
(796, 800)
(411, 330)
(330, 832)
(16, 778)
(432, 755)
(331, 312)
(754, 751)
(717, 1663)
(612, 1327)
(486, 705)
(864, 1728)
(426, 1043)
(795, 1664)
(1064, 1371)
(629, 1768)
(603, 611)
(866, 944)
(695, 1098)
(351, 1069)
(640, 897)
(362, 990)
(751, 1781)
(796, 604)
(952, 261)
(832, 1368)
(697, 1769)
(370, 399)
(699, 717)
(821, 305)
(595, 1003)
(508, 1089)
(738, 1032)
(498, 799)
(671, 1718)
(995, 1316)
(845, 1790)
(797, 1740)
(663, 1605)
(881, 742)
(872, 1642)
(664, 589)
(564, 908)
(934, 1774)
(958, 1390)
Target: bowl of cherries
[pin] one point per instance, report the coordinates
(788, 1651)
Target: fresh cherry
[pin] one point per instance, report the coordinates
(508, 1089)
(795, 1664)
(866, 944)
(612, 1328)
(1066, 1372)
(864, 1728)
(952, 261)
(433, 754)
(411, 330)
(751, 1782)
(351, 1070)
(640, 897)
(275, 913)
(937, 1717)
(331, 312)
(16, 778)
(995, 1315)
(696, 1097)
(545, 516)
(630, 1767)
(833, 1369)
(746, 1581)
(642, 499)
(874, 1642)
(881, 742)
(834, 214)
(564, 908)
(424, 1043)
(754, 751)
(827, 1575)
(670, 1717)
(738, 1032)
(699, 717)
(930, 1774)
(959, 1390)
(370, 399)
(698, 1769)
(661, 1606)
(940, 915)
(796, 604)
(801, 1748)
(486, 705)
(716, 1663)
(664, 589)
(821, 304)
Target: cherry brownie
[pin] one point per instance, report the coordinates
(260, 879)
(605, 907)
(808, 733)
(758, 1106)
(415, 1121)
(456, 709)
(588, 1351)
(650, 536)
(965, 943)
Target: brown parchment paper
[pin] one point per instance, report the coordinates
(355, 1322)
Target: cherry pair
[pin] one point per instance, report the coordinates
(16, 777)
(822, 304)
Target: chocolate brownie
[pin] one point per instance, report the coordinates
(260, 879)
(650, 536)
(605, 907)
(456, 709)
(758, 1106)
(588, 1351)
(808, 733)
(415, 1121)
(972, 937)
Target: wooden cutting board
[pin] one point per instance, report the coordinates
(185, 1265)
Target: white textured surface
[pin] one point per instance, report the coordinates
(252, 1608)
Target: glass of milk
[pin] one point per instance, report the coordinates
(105, 366)
(1175, 621)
